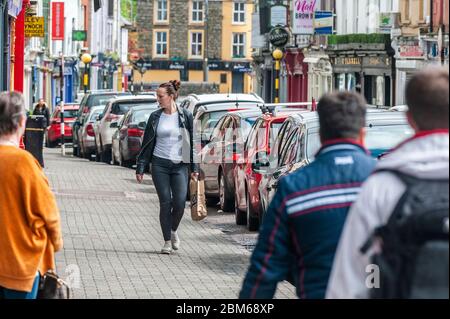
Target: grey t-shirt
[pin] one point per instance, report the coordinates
(169, 141)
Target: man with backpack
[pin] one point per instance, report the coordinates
(395, 241)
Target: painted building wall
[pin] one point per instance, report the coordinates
(361, 16)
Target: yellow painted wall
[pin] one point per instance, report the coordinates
(228, 28)
(159, 76)
(214, 77)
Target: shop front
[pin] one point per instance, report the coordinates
(230, 77)
(297, 73)
(368, 73)
(320, 75)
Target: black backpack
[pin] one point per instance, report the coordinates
(413, 245)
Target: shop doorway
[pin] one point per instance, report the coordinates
(237, 83)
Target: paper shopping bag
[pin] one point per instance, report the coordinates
(198, 199)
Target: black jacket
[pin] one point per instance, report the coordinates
(186, 121)
(43, 111)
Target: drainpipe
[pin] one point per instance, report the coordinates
(431, 29)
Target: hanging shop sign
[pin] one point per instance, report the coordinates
(279, 37)
(348, 60)
(57, 20)
(278, 15)
(323, 22)
(79, 35)
(34, 27)
(303, 16)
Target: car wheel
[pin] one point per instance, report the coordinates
(252, 222)
(226, 201)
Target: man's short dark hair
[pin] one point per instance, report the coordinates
(427, 98)
(341, 115)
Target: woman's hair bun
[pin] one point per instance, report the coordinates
(176, 84)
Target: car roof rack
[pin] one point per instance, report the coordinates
(276, 108)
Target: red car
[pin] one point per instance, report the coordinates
(260, 140)
(53, 133)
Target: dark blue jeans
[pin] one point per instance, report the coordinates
(14, 294)
(171, 183)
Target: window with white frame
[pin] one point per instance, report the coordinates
(196, 44)
(161, 43)
(162, 14)
(197, 11)
(238, 45)
(238, 12)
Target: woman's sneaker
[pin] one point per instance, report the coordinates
(167, 248)
(175, 240)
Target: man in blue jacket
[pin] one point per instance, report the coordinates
(303, 224)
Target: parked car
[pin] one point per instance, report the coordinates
(301, 142)
(260, 143)
(86, 134)
(110, 117)
(89, 100)
(53, 132)
(222, 153)
(193, 102)
(207, 117)
(126, 141)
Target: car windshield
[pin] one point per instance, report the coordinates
(70, 113)
(379, 139)
(100, 99)
(123, 107)
(142, 115)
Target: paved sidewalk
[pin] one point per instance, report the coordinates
(112, 239)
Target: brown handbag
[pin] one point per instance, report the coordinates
(53, 287)
(198, 199)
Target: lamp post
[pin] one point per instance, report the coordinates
(87, 59)
(142, 71)
(277, 55)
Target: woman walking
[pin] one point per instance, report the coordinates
(168, 146)
(30, 231)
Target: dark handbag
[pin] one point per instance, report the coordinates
(53, 287)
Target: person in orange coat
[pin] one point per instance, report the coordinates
(30, 230)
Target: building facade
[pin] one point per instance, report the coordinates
(421, 39)
(177, 39)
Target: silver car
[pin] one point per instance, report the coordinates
(86, 134)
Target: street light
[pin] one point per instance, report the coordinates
(87, 59)
(277, 55)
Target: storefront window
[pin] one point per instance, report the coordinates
(341, 82)
(351, 82)
(380, 90)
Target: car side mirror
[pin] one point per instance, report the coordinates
(99, 117)
(114, 125)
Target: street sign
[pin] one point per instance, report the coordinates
(79, 35)
(323, 22)
(279, 37)
(278, 15)
(34, 27)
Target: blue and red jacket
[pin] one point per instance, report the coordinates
(303, 224)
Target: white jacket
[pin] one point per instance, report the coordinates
(426, 155)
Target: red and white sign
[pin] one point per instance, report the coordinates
(57, 20)
(411, 51)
